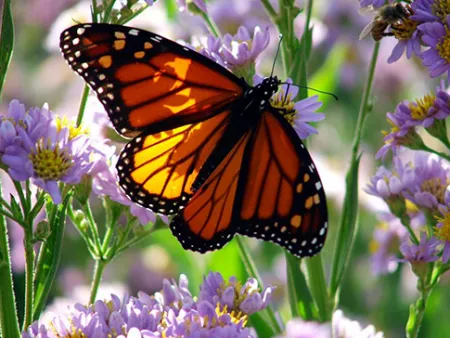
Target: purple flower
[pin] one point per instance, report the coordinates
(105, 184)
(384, 246)
(425, 111)
(436, 35)
(298, 328)
(46, 149)
(299, 114)
(442, 232)
(408, 39)
(173, 312)
(241, 49)
(425, 251)
(388, 184)
(429, 10)
(232, 296)
(345, 328)
(430, 187)
(401, 133)
(184, 4)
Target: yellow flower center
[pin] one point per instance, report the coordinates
(50, 164)
(419, 109)
(74, 131)
(441, 8)
(443, 233)
(236, 315)
(286, 105)
(405, 29)
(443, 47)
(436, 188)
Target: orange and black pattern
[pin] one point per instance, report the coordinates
(207, 147)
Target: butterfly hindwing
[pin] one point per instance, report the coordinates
(207, 222)
(147, 82)
(282, 197)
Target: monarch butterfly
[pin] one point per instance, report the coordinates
(207, 147)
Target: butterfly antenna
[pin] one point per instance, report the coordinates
(315, 90)
(287, 92)
(276, 55)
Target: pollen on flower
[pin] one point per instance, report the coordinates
(74, 131)
(405, 29)
(236, 316)
(443, 232)
(419, 110)
(286, 105)
(443, 47)
(50, 164)
(436, 187)
(441, 8)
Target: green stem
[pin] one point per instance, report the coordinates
(132, 16)
(213, 28)
(318, 287)
(100, 265)
(29, 276)
(347, 227)
(83, 102)
(108, 11)
(269, 9)
(308, 15)
(406, 222)
(92, 225)
(250, 266)
(9, 323)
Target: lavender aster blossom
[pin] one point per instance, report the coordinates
(437, 36)
(346, 328)
(299, 114)
(442, 232)
(232, 296)
(425, 251)
(50, 150)
(409, 39)
(429, 10)
(171, 313)
(241, 49)
(105, 184)
(431, 181)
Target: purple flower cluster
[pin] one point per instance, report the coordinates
(341, 327)
(428, 112)
(299, 114)
(434, 20)
(37, 145)
(235, 52)
(173, 312)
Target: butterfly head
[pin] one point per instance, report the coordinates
(267, 88)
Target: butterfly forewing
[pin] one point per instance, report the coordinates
(147, 82)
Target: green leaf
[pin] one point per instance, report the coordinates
(233, 267)
(15, 207)
(322, 79)
(9, 323)
(171, 9)
(347, 228)
(259, 322)
(300, 300)
(49, 256)
(6, 40)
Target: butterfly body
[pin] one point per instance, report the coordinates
(207, 147)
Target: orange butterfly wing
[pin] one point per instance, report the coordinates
(267, 187)
(158, 170)
(147, 82)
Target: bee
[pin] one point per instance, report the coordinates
(388, 15)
